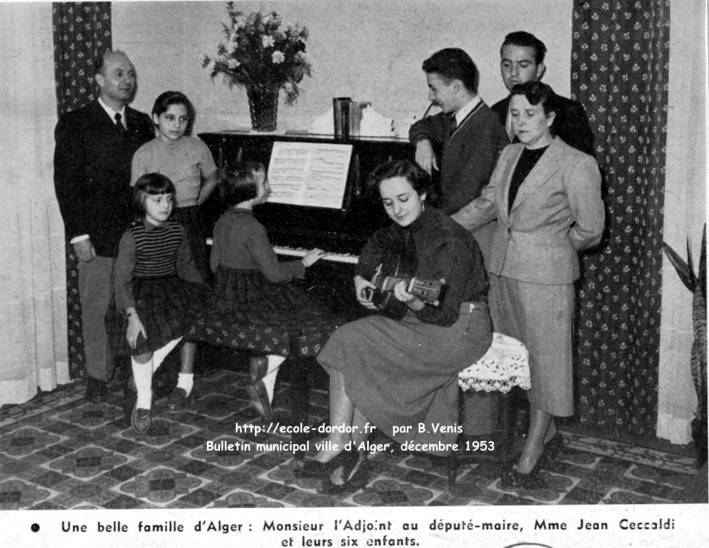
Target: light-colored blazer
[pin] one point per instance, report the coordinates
(558, 211)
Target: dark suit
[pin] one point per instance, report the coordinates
(92, 163)
(570, 123)
(468, 155)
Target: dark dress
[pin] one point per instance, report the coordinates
(254, 306)
(405, 372)
(154, 273)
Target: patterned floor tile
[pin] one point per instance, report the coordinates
(58, 451)
(16, 494)
(161, 485)
(88, 462)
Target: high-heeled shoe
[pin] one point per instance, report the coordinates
(552, 450)
(260, 400)
(512, 478)
(354, 473)
(311, 468)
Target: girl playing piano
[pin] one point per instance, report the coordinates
(257, 309)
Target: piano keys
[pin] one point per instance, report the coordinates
(300, 252)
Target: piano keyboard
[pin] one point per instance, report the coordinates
(300, 252)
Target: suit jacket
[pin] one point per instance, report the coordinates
(92, 162)
(468, 156)
(571, 123)
(558, 211)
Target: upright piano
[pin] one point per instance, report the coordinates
(295, 229)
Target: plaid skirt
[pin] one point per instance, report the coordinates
(190, 218)
(165, 306)
(251, 313)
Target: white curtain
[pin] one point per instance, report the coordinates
(685, 213)
(33, 341)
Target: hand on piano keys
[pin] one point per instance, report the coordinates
(302, 252)
(327, 256)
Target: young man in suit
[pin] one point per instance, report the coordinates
(92, 162)
(522, 60)
(469, 138)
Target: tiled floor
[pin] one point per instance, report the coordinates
(59, 451)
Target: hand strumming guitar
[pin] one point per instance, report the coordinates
(410, 300)
(311, 257)
(364, 290)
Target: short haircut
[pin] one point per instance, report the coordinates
(525, 39)
(150, 184)
(167, 98)
(536, 93)
(417, 177)
(454, 63)
(100, 61)
(239, 183)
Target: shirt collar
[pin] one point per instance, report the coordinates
(463, 112)
(112, 113)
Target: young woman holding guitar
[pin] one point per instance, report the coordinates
(398, 374)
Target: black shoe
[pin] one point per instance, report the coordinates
(353, 473)
(179, 400)
(311, 468)
(96, 390)
(532, 480)
(260, 401)
(552, 450)
(140, 420)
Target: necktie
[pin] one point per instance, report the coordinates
(119, 123)
(453, 126)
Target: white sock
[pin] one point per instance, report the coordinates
(143, 377)
(161, 353)
(186, 382)
(269, 379)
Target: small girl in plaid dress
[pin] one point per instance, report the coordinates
(156, 287)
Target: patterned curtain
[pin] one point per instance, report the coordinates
(82, 31)
(619, 69)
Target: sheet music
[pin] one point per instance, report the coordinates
(309, 174)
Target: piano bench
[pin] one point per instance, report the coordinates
(504, 366)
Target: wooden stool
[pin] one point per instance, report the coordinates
(504, 366)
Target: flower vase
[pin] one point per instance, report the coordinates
(263, 107)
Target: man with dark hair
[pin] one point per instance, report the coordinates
(469, 138)
(522, 60)
(92, 162)
(467, 134)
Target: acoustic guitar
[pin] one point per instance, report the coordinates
(390, 273)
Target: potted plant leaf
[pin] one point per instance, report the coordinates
(696, 283)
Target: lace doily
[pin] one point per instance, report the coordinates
(504, 365)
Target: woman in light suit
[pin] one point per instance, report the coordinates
(546, 197)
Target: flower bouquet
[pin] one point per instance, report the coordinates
(263, 55)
